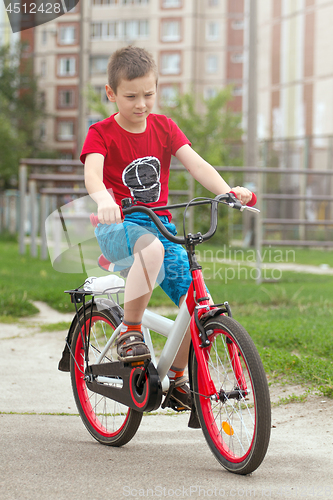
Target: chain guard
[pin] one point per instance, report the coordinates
(147, 397)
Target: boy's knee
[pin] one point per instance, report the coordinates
(149, 247)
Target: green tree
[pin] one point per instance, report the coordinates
(21, 109)
(95, 103)
(213, 130)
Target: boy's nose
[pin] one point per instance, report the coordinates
(140, 103)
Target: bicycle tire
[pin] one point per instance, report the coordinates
(236, 427)
(108, 421)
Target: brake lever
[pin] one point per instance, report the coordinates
(251, 209)
(235, 203)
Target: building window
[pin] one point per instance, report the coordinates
(170, 64)
(65, 155)
(237, 57)
(67, 35)
(119, 30)
(98, 65)
(171, 4)
(42, 132)
(91, 121)
(43, 69)
(169, 95)
(105, 2)
(134, 2)
(212, 63)
(66, 98)
(212, 31)
(135, 30)
(101, 91)
(67, 66)
(171, 31)
(120, 2)
(210, 93)
(237, 24)
(44, 37)
(96, 30)
(65, 131)
(237, 90)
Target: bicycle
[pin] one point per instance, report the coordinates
(230, 395)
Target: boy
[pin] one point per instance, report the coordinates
(128, 155)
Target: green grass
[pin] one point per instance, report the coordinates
(56, 327)
(24, 279)
(303, 256)
(290, 320)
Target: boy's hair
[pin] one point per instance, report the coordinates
(128, 63)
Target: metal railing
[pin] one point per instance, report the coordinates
(44, 184)
(287, 198)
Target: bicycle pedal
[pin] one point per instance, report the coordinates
(174, 405)
(137, 363)
(133, 364)
(180, 408)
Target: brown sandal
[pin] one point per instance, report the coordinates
(131, 347)
(181, 400)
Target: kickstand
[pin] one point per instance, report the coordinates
(168, 395)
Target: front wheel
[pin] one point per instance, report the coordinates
(237, 425)
(108, 421)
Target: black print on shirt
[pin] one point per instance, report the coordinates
(142, 177)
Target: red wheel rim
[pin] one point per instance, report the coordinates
(211, 425)
(83, 392)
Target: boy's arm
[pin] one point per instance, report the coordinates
(208, 177)
(108, 210)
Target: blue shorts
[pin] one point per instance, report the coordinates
(117, 243)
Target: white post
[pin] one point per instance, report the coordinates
(43, 215)
(33, 217)
(23, 193)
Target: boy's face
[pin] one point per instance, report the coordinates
(135, 100)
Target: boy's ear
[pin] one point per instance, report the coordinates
(110, 94)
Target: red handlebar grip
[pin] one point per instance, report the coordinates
(94, 220)
(252, 202)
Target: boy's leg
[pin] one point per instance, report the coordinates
(148, 259)
(181, 392)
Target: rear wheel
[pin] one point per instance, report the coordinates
(108, 421)
(237, 425)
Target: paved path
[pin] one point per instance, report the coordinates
(46, 455)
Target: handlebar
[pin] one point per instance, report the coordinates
(229, 199)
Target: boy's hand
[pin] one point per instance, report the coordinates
(243, 194)
(109, 213)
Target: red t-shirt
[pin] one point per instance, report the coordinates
(136, 165)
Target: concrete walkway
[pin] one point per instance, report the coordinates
(48, 455)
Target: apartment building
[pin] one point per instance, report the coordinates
(197, 44)
(295, 68)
